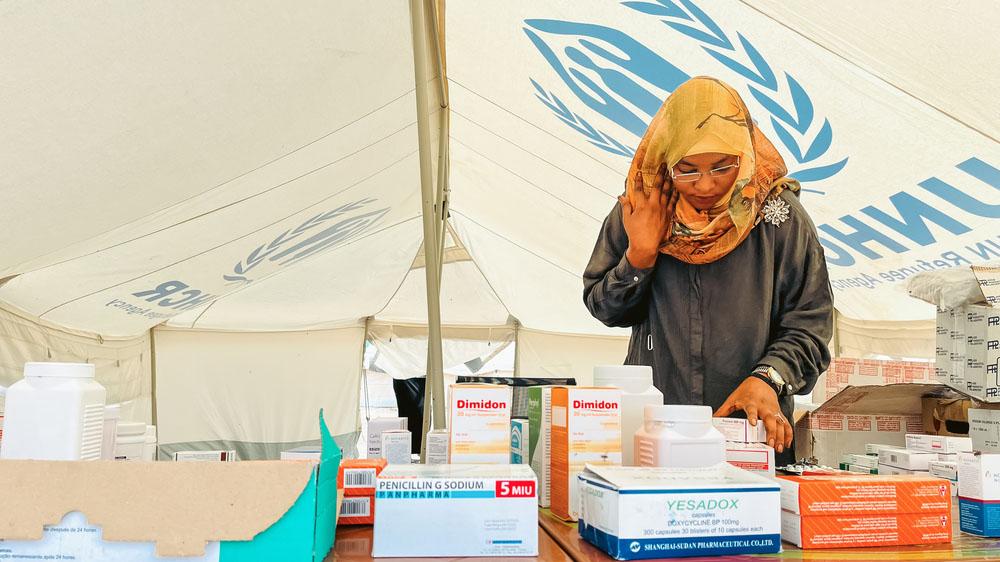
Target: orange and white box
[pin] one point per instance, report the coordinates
(847, 531)
(755, 457)
(357, 476)
(586, 429)
(864, 494)
(479, 423)
(357, 510)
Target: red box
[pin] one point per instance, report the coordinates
(357, 510)
(357, 476)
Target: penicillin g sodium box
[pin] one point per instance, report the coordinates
(637, 513)
(456, 510)
(479, 422)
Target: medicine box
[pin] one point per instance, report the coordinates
(396, 446)
(456, 510)
(375, 428)
(886, 469)
(357, 510)
(848, 531)
(635, 513)
(357, 476)
(906, 459)
(205, 456)
(519, 436)
(942, 346)
(304, 453)
(872, 449)
(479, 422)
(754, 457)
(540, 439)
(938, 443)
(739, 430)
(437, 446)
(586, 429)
(863, 495)
(979, 493)
(944, 469)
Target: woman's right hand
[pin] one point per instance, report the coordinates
(648, 217)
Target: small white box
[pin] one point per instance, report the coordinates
(984, 430)
(740, 431)
(938, 443)
(859, 469)
(943, 469)
(753, 457)
(948, 457)
(396, 446)
(456, 510)
(979, 493)
(205, 456)
(942, 348)
(957, 351)
(437, 446)
(885, 469)
(905, 459)
(304, 453)
(633, 512)
(874, 448)
(983, 349)
(375, 428)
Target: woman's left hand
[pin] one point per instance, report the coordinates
(760, 402)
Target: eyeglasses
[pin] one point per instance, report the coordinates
(695, 176)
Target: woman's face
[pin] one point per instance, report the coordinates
(704, 193)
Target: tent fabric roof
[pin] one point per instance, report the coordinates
(264, 176)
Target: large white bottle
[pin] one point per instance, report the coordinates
(636, 383)
(679, 437)
(56, 412)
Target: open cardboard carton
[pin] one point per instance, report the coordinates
(859, 415)
(116, 511)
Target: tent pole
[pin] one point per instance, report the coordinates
(435, 372)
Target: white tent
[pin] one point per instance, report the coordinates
(234, 189)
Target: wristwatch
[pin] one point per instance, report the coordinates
(771, 376)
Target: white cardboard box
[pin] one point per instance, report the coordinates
(753, 457)
(984, 430)
(938, 443)
(944, 469)
(519, 441)
(396, 446)
(740, 431)
(633, 512)
(905, 459)
(304, 453)
(205, 456)
(956, 332)
(375, 428)
(479, 421)
(456, 510)
(884, 469)
(983, 350)
(979, 493)
(437, 446)
(942, 346)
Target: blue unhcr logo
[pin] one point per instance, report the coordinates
(611, 73)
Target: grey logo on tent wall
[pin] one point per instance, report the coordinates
(313, 236)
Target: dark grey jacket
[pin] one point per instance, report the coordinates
(703, 328)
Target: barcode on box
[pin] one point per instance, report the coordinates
(359, 478)
(356, 507)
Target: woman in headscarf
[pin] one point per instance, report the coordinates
(711, 260)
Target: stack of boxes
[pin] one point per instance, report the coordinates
(925, 455)
(967, 350)
(840, 511)
(746, 445)
(357, 478)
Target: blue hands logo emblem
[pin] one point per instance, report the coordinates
(620, 79)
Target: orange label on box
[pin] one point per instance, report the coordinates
(863, 495)
(839, 531)
(357, 476)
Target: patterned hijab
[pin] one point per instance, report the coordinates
(706, 115)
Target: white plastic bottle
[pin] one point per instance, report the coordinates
(636, 383)
(56, 412)
(679, 437)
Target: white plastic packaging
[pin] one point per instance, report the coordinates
(130, 441)
(112, 413)
(56, 412)
(636, 384)
(679, 437)
(149, 448)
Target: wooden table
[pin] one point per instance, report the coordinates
(963, 547)
(355, 544)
